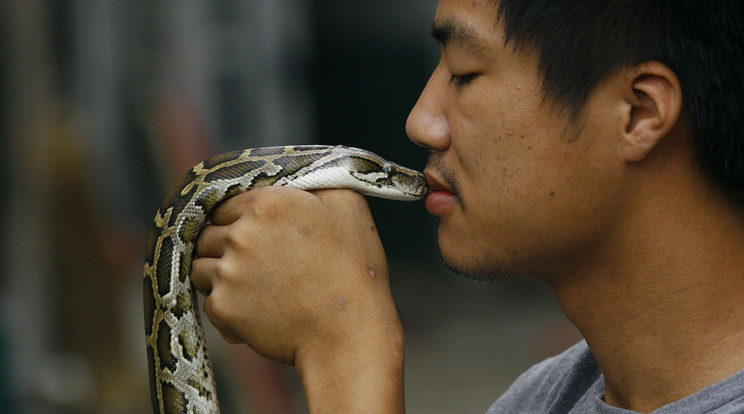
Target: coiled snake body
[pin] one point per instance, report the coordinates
(181, 377)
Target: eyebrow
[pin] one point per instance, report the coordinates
(453, 32)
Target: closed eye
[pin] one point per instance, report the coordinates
(460, 80)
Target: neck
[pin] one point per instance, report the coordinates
(661, 308)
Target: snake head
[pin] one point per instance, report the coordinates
(378, 177)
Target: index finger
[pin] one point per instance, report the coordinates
(228, 210)
(231, 209)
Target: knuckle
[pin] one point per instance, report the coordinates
(216, 311)
(268, 206)
(221, 271)
(225, 275)
(209, 308)
(221, 316)
(236, 237)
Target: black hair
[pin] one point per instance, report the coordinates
(581, 42)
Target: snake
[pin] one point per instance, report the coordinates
(179, 363)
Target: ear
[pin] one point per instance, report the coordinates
(654, 95)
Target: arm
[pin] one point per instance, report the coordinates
(302, 278)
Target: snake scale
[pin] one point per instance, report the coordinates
(181, 377)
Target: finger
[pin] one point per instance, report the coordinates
(258, 202)
(212, 303)
(211, 241)
(341, 197)
(203, 273)
(346, 202)
(229, 210)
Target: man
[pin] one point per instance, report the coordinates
(595, 146)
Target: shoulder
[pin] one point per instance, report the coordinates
(725, 397)
(554, 385)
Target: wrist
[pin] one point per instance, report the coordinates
(361, 374)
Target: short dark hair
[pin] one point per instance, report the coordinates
(580, 42)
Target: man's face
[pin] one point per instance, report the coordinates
(517, 186)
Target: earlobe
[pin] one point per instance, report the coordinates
(654, 95)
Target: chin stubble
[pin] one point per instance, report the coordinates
(482, 267)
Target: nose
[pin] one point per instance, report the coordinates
(427, 124)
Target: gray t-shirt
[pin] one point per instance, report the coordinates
(571, 383)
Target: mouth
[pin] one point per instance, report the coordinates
(441, 198)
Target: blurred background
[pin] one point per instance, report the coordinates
(104, 103)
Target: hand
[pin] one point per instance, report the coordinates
(302, 278)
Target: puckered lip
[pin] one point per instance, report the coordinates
(435, 183)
